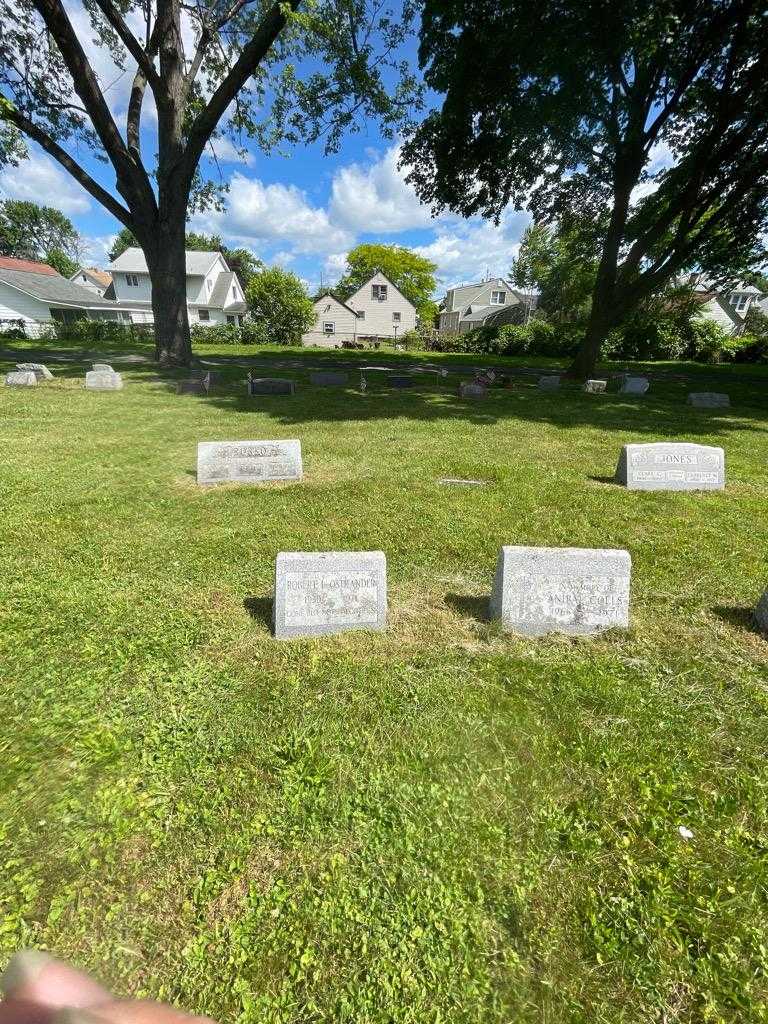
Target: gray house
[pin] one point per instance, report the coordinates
(492, 302)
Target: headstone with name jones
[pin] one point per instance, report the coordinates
(317, 593)
(671, 466)
(248, 462)
(561, 590)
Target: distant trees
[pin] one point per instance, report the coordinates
(645, 117)
(279, 306)
(560, 262)
(414, 275)
(33, 232)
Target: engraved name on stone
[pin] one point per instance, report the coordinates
(248, 461)
(20, 379)
(550, 383)
(671, 466)
(565, 590)
(103, 367)
(318, 593)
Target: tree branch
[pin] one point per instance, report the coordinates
(134, 47)
(61, 156)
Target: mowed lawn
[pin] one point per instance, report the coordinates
(437, 824)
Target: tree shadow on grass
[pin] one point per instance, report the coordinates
(603, 480)
(470, 606)
(260, 609)
(738, 616)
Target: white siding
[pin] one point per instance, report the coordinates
(712, 310)
(130, 293)
(330, 310)
(379, 321)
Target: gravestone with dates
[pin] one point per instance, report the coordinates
(103, 380)
(708, 400)
(671, 466)
(248, 462)
(103, 367)
(595, 387)
(20, 379)
(317, 593)
(40, 371)
(328, 378)
(471, 389)
(634, 386)
(270, 386)
(561, 590)
(549, 383)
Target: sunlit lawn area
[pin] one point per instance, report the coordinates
(438, 823)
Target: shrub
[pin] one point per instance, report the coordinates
(708, 341)
(90, 331)
(216, 334)
(13, 330)
(536, 338)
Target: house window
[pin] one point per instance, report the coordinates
(230, 320)
(204, 314)
(329, 327)
(132, 280)
(361, 314)
(742, 302)
(498, 298)
(379, 292)
(234, 291)
(396, 318)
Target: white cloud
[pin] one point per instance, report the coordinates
(226, 152)
(376, 197)
(259, 213)
(97, 248)
(469, 250)
(40, 180)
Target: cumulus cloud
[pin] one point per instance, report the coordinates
(376, 197)
(40, 180)
(468, 250)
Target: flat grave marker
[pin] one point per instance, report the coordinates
(271, 386)
(248, 462)
(103, 380)
(577, 591)
(319, 593)
(400, 381)
(40, 371)
(471, 389)
(328, 379)
(708, 400)
(595, 387)
(634, 386)
(671, 466)
(549, 383)
(21, 379)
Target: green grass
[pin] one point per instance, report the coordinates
(439, 823)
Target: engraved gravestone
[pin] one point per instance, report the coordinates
(671, 466)
(471, 389)
(761, 613)
(103, 380)
(40, 371)
(708, 400)
(634, 386)
(317, 593)
(563, 590)
(595, 387)
(103, 367)
(270, 386)
(328, 379)
(20, 379)
(248, 462)
(549, 383)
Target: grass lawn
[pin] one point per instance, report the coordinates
(437, 824)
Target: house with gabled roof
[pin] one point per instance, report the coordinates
(469, 306)
(95, 280)
(378, 310)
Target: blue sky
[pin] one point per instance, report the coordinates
(303, 210)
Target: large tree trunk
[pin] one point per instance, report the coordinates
(166, 262)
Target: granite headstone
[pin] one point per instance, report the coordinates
(549, 383)
(471, 389)
(103, 380)
(103, 367)
(671, 466)
(317, 593)
(562, 590)
(21, 379)
(328, 379)
(595, 387)
(634, 386)
(400, 381)
(248, 462)
(270, 386)
(708, 400)
(40, 371)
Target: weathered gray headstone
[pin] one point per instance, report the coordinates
(708, 400)
(103, 380)
(329, 592)
(634, 386)
(399, 381)
(248, 462)
(471, 389)
(595, 387)
(761, 613)
(328, 379)
(562, 590)
(671, 466)
(40, 371)
(103, 367)
(271, 386)
(549, 383)
(21, 379)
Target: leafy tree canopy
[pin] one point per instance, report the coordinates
(412, 274)
(34, 232)
(242, 261)
(571, 108)
(280, 306)
(560, 262)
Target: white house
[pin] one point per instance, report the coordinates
(472, 305)
(377, 310)
(214, 294)
(94, 280)
(727, 306)
(35, 295)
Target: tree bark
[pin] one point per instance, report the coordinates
(166, 262)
